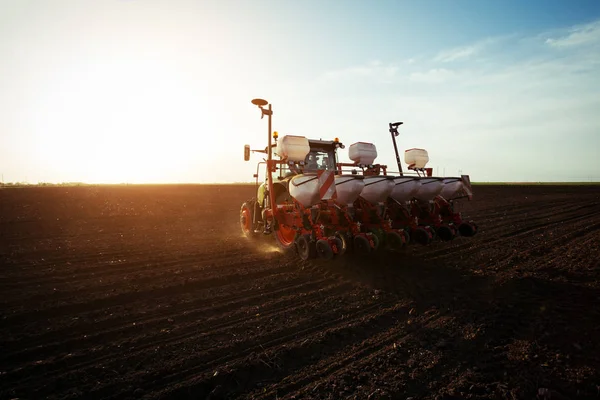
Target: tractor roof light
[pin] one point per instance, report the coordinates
(337, 143)
(275, 135)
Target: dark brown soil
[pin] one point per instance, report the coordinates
(152, 292)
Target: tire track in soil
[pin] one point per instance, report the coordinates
(214, 354)
(190, 315)
(532, 246)
(361, 353)
(488, 239)
(179, 268)
(481, 244)
(139, 348)
(40, 345)
(277, 289)
(518, 210)
(90, 264)
(533, 214)
(284, 347)
(560, 241)
(131, 296)
(320, 351)
(516, 318)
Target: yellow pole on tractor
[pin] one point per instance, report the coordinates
(260, 103)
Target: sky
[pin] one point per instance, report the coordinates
(146, 91)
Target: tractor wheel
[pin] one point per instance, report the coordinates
(446, 233)
(324, 250)
(467, 229)
(376, 241)
(406, 237)
(394, 241)
(246, 215)
(342, 242)
(378, 236)
(285, 237)
(306, 247)
(421, 235)
(362, 245)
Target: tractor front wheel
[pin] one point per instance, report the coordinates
(246, 219)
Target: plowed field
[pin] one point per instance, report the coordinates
(152, 292)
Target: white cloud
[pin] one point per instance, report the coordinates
(578, 35)
(457, 53)
(465, 52)
(435, 75)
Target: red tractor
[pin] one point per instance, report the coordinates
(317, 206)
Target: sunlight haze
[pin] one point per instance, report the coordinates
(159, 91)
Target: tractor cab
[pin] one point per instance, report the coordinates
(297, 155)
(300, 155)
(322, 156)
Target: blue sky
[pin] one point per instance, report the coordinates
(159, 91)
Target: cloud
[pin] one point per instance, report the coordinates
(457, 53)
(435, 75)
(578, 35)
(465, 52)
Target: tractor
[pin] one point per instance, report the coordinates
(317, 206)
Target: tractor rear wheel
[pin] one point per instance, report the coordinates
(285, 237)
(246, 218)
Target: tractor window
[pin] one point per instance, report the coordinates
(318, 159)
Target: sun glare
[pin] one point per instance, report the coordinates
(130, 121)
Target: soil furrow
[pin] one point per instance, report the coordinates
(131, 296)
(137, 345)
(96, 331)
(362, 353)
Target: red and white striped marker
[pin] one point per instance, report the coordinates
(326, 184)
